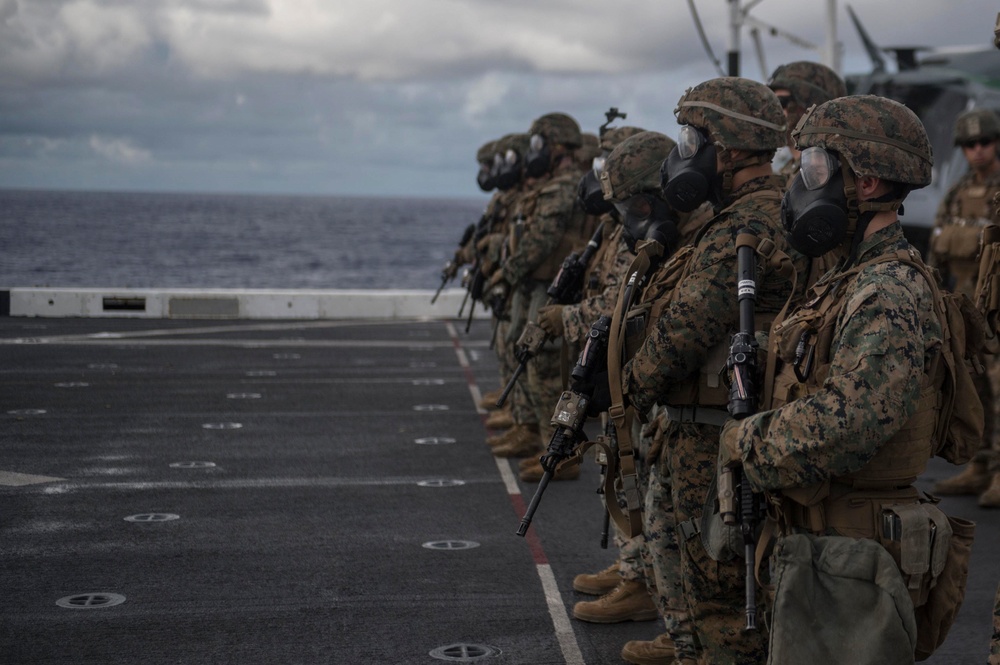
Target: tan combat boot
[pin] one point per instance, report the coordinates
(524, 442)
(629, 601)
(500, 419)
(650, 652)
(990, 498)
(598, 584)
(489, 400)
(510, 435)
(532, 473)
(973, 480)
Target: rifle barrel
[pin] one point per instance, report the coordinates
(529, 514)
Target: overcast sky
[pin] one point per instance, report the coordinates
(381, 97)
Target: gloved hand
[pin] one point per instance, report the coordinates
(730, 453)
(550, 320)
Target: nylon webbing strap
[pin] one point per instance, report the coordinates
(619, 414)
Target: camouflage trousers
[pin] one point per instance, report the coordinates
(714, 590)
(661, 544)
(995, 642)
(521, 410)
(988, 385)
(636, 561)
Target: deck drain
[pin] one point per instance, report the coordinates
(152, 517)
(262, 372)
(102, 366)
(430, 407)
(26, 412)
(286, 356)
(464, 653)
(433, 440)
(72, 384)
(428, 382)
(451, 544)
(441, 482)
(243, 395)
(192, 465)
(91, 601)
(222, 425)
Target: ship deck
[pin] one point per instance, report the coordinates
(298, 491)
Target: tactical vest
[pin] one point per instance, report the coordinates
(578, 230)
(604, 260)
(851, 504)
(957, 240)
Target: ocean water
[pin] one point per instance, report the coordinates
(140, 240)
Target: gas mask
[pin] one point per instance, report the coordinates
(815, 209)
(647, 217)
(539, 158)
(688, 175)
(589, 190)
(508, 173)
(485, 179)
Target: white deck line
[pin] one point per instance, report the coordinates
(234, 303)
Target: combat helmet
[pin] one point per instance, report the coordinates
(976, 124)
(558, 128)
(737, 113)
(615, 135)
(875, 135)
(809, 82)
(486, 152)
(590, 148)
(634, 165)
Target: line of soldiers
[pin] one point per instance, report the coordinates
(822, 409)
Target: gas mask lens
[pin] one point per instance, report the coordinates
(536, 142)
(510, 158)
(598, 165)
(817, 167)
(689, 141)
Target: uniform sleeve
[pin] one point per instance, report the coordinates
(703, 313)
(872, 388)
(542, 234)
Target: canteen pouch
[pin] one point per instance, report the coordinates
(935, 617)
(838, 600)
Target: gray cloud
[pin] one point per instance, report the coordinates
(370, 98)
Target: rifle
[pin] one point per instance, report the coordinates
(566, 288)
(451, 268)
(742, 365)
(571, 411)
(610, 114)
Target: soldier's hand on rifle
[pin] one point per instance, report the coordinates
(497, 282)
(730, 453)
(550, 320)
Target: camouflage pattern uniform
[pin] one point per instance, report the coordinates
(954, 248)
(808, 83)
(537, 251)
(840, 434)
(995, 641)
(699, 315)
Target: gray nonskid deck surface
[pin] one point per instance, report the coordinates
(305, 541)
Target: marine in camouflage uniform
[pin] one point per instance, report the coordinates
(491, 248)
(555, 226)
(798, 86)
(954, 248)
(995, 640)
(731, 129)
(845, 432)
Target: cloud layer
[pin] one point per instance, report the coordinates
(382, 97)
